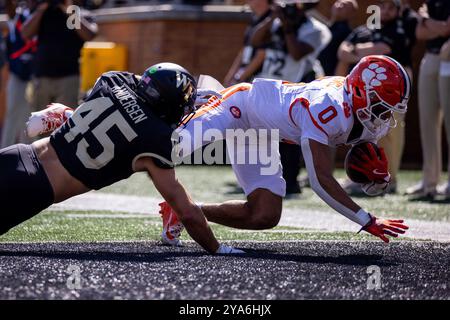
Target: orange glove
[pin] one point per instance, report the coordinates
(382, 227)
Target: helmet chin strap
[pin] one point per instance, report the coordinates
(392, 122)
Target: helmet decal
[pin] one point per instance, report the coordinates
(182, 80)
(373, 75)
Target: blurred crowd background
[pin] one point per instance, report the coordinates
(46, 60)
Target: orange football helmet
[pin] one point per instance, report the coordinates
(377, 87)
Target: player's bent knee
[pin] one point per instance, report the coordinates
(266, 220)
(265, 209)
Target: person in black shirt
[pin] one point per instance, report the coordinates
(124, 126)
(19, 54)
(434, 97)
(250, 59)
(56, 67)
(395, 38)
(341, 12)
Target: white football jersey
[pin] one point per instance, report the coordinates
(319, 110)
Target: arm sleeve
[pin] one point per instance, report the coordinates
(361, 217)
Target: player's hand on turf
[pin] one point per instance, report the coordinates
(373, 167)
(203, 95)
(382, 228)
(224, 249)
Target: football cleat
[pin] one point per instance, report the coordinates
(47, 120)
(172, 227)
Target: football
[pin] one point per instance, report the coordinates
(353, 156)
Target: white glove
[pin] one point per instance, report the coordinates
(203, 95)
(224, 249)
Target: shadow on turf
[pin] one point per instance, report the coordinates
(351, 259)
(430, 199)
(157, 257)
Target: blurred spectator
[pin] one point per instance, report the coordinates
(396, 39)
(434, 98)
(341, 13)
(56, 68)
(293, 41)
(250, 59)
(19, 54)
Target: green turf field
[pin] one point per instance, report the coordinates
(73, 226)
(207, 184)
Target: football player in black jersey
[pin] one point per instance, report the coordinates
(124, 126)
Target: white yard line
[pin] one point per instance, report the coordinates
(110, 202)
(328, 221)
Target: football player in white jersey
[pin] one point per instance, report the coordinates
(319, 115)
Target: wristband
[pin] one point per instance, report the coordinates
(363, 218)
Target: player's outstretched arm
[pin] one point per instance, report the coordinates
(190, 214)
(319, 165)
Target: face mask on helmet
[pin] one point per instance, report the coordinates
(379, 113)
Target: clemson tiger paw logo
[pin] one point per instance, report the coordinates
(373, 75)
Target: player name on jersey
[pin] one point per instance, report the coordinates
(129, 103)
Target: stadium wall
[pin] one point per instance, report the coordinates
(206, 40)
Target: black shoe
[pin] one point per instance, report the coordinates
(427, 197)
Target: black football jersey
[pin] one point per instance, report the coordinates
(113, 128)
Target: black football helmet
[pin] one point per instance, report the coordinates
(170, 90)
